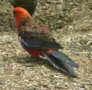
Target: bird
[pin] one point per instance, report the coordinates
(29, 5)
(38, 41)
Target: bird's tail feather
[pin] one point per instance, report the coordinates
(61, 62)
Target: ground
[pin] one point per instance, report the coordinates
(71, 25)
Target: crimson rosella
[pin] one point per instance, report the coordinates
(29, 5)
(37, 41)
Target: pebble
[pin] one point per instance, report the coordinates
(61, 15)
(59, 87)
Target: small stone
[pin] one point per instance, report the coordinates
(31, 89)
(59, 21)
(82, 86)
(61, 15)
(59, 87)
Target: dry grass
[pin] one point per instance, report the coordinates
(76, 37)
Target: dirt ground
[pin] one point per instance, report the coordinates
(71, 25)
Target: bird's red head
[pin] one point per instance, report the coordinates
(20, 14)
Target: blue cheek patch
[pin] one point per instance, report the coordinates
(14, 18)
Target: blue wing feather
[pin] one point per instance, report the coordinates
(35, 44)
(29, 44)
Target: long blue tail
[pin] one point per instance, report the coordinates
(62, 62)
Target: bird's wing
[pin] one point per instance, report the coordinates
(37, 37)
